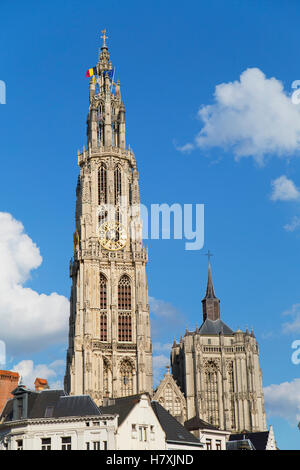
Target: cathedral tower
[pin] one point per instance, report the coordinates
(110, 350)
(218, 372)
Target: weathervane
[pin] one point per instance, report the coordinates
(104, 37)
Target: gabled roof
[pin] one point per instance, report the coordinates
(258, 439)
(197, 423)
(54, 404)
(175, 432)
(122, 406)
(168, 380)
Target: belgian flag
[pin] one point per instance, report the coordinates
(91, 72)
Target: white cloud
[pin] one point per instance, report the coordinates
(29, 372)
(28, 320)
(294, 325)
(284, 400)
(293, 225)
(162, 347)
(284, 189)
(252, 116)
(162, 315)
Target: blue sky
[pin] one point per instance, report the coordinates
(244, 167)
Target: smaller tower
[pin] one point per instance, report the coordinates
(218, 371)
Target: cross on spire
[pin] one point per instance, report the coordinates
(209, 255)
(104, 37)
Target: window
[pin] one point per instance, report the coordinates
(208, 444)
(100, 134)
(103, 306)
(103, 327)
(124, 326)
(102, 215)
(124, 293)
(102, 185)
(19, 408)
(143, 433)
(46, 444)
(231, 394)
(96, 445)
(218, 445)
(104, 445)
(87, 444)
(103, 292)
(211, 393)
(66, 443)
(124, 303)
(117, 179)
(20, 444)
(126, 373)
(49, 411)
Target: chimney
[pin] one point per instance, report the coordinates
(8, 382)
(41, 384)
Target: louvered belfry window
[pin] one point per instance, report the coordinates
(124, 307)
(118, 182)
(102, 185)
(103, 292)
(103, 306)
(124, 293)
(124, 326)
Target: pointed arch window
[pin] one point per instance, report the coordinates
(102, 185)
(124, 306)
(124, 293)
(231, 394)
(126, 374)
(103, 306)
(103, 292)
(118, 183)
(211, 392)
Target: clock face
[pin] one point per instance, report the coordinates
(112, 236)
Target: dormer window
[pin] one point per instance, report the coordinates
(49, 411)
(19, 408)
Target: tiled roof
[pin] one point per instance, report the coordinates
(175, 432)
(121, 406)
(197, 423)
(54, 404)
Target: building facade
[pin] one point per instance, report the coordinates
(110, 349)
(218, 372)
(51, 420)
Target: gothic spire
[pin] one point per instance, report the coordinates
(210, 293)
(210, 303)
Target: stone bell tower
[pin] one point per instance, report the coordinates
(110, 349)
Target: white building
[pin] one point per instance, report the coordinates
(146, 425)
(210, 436)
(50, 420)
